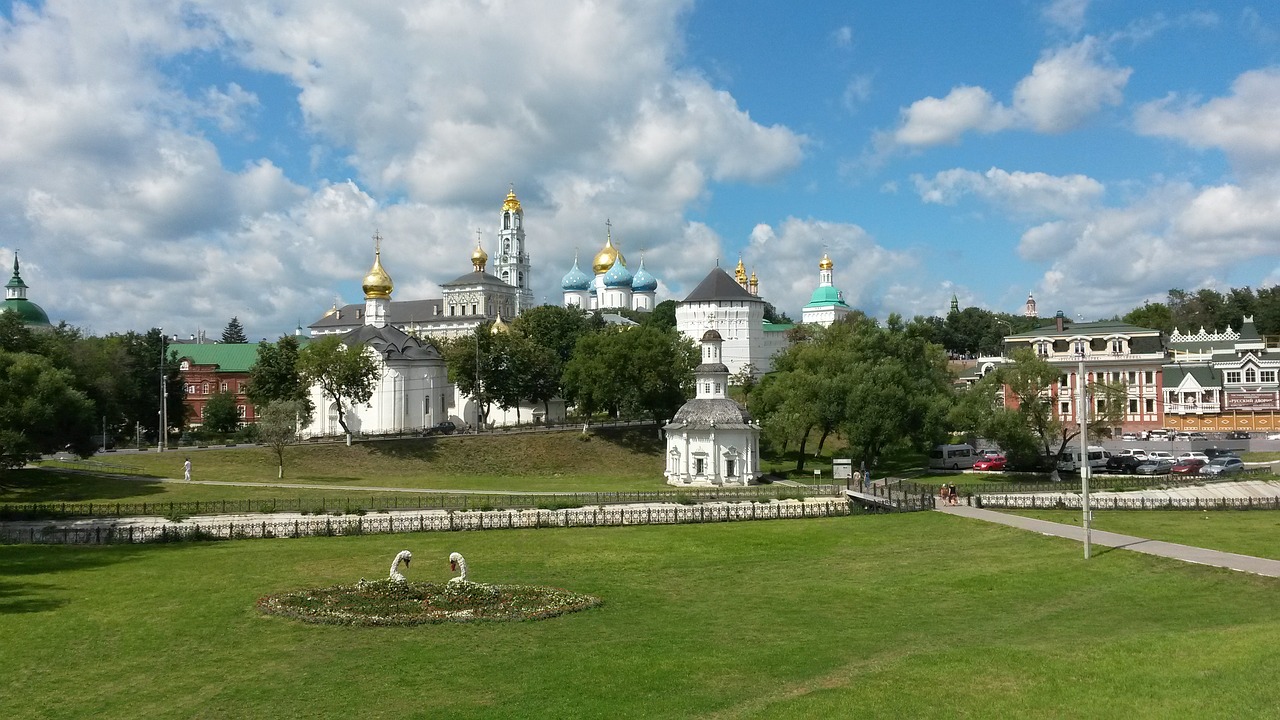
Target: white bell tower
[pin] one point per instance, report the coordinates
(511, 261)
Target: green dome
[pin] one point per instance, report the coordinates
(32, 314)
(826, 295)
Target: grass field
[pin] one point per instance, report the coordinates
(921, 616)
(1255, 532)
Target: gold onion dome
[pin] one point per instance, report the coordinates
(740, 272)
(512, 204)
(754, 280)
(607, 256)
(499, 326)
(479, 258)
(825, 263)
(377, 284)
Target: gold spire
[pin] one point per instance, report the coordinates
(608, 254)
(512, 204)
(377, 284)
(479, 258)
(825, 263)
(755, 281)
(499, 326)
(740, 273)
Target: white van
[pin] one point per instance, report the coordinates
(1069, 460)
(953, 457)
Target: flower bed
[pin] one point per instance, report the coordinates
(384, 602)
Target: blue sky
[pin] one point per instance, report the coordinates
(174, 163)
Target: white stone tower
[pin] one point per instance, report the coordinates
(511, 261)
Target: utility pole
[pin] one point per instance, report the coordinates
(164, 399)
(1085, 469)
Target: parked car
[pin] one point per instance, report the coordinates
(992, 453)
(1198, 436)
(446, 427)
(1124, 464)
(1192, 455)
(1159, 455)
(989, 462)
(1155, 467)
(1212, 453)
(1188, 466)
(1274, 436)
(1238, 435)
(1129, 436)
(1158, 435)
(1181, 436)
(1223, 466)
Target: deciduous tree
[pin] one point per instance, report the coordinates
(345, 374)
(278, 423)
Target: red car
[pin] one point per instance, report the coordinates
(991, 462)
(1189, 466)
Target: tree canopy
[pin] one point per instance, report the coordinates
(41, 411)
(221, 415)
(275, 376)
(234, 332)
(345, 374)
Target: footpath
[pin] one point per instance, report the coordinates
(1185, 553)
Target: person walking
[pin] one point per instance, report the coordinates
(186, 470)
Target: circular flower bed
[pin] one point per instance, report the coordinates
(384, 602)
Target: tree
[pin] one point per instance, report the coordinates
(1027, 383)
(663, 315)
(473, 368)
(274, 377)
(1151, 315)
(771, 315)
(278, 423)
(221, 416)
(234, 332)
(41, 411)
(642, 370)
(345, 374)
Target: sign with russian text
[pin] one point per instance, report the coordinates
(1253, 400)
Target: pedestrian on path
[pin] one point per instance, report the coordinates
(186, 470)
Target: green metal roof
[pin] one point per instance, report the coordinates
(1205, 375)
(31, 313)
(777, 327)
(825, 295)
(229, 357)
(1071, 329)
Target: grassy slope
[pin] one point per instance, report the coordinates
(1256, 532)
(611, 459)
(922, 616)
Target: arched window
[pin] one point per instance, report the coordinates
(506, 221)
(333, 427)
(1250, 375)
(521, 279)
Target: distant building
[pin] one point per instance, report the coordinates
(1222, 381)
(727, 306)
(15, 300)
(826, 305)
(1113, 352)
(212, 368)
(612, 286)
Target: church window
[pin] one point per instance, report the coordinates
(521, 279)
(506, 221)
(517, 221)
(717, 387)
(452, 308)
(474, 311)
(506, 276)
(699, 466)
(506, 246)
(730, 468)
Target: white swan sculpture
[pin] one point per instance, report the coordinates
(404, 556)
(458, 564)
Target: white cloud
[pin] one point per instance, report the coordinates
(1245, 124)
(786, 260)
(843, 36)
(1066, 87)
(1066, 14)
(856, 92)
(1031, 194)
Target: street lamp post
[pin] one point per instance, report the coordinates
(164, 396)
(477, 382)
(1085, 469)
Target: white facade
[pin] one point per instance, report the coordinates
(712, 440)
(719, 303)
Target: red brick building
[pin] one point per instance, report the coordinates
(213, 368)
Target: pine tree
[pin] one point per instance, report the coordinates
(234, 332)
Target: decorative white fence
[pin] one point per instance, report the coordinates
(145, 531)
(1113, 502)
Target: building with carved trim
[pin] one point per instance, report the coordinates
(1222, 381)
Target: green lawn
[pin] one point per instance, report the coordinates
(921, 616)
(1253, 532)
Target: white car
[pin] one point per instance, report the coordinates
(1159, 455)
(1193, 456)
(1129, 436)
(1274, 436)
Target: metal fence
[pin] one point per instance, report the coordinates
(406, 501)
(424, 522)
(1109, 483)
(896, 496)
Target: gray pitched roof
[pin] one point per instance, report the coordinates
(1173, 375)
(719, 285)
(392, 343)
(702, 413)
(477, 277)
(403, 312)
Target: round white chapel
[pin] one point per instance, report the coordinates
(712, 440)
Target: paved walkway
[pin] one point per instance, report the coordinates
(1186, 553)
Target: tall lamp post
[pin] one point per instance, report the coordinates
(1085, 469)
(164, 397)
